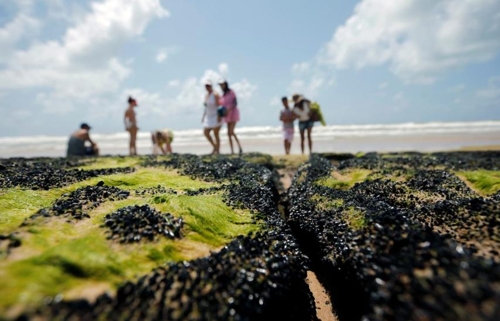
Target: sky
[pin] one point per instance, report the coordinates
(63, 62)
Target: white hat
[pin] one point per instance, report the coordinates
(221, 80)
(208, 82)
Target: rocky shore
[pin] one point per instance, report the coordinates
(390, 236)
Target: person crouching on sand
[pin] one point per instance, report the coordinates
(76, 143)
(287, 116)
(162, 141)
(229, 101)
(131, 125)
(302, 109)
(211, 120)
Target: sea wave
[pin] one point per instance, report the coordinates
(193, 137)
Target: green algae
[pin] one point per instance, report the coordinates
(110, 162)
(213, 222)
(71, 258)
(344, 180)
(17, 204)
(326, 204)
(354, 218)
(484, 182)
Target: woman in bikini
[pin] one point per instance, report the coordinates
(131, 125)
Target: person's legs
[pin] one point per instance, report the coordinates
(133, 138)
(288, 137)
(230, 131)
(130, 142)
(302, 131)
(217, 139)
(288, 147)
(309, 131)
(135, 141)
(168, 147)
(206, 131)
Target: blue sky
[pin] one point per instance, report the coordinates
(369, 61)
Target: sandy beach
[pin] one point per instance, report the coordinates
(339, 139)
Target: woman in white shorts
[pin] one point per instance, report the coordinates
(211, 120)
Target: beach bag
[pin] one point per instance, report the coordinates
(314, 114)
(222, 111)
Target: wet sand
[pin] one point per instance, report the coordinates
(274, 146)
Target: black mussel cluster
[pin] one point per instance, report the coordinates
(77, 204)
(135, 223)
(44, 174)
(214, 168)
(247, 180)
(64, 163)
(395, 256)
(252, 278)
(440, 182)
(256, 277)
(154, 191)
(473, 222)
(8, 242)
(456, 161)
(205, 190)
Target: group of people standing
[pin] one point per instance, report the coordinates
(302, 111)
(219, 109)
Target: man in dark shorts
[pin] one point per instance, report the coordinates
(302, 109)
(76, 143)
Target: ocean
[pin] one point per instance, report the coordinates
(425, 137)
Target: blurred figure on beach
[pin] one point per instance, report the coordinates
(131, 125)
(162, 141)
(76, 143)
(229, 101)
(287, 116)
(302, 108)
(211, 120)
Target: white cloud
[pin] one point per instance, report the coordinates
(190, 96)
(492, 92)
(161, 56)
(20, 27)
(275, 101)
(164, 53)
(244, 89)
(223, 69)
(383, 85)
(300, 68)
(22, 114)
(308, 88)
(174, 83)
(83, 64)
(457, 88)
(419, 39)
(309, 78)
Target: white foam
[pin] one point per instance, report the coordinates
(50, 145)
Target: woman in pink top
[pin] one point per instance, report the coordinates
(229, 101)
